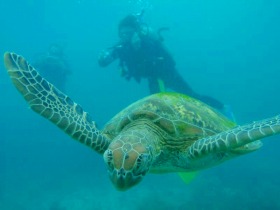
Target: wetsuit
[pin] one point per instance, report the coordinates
(151, 61)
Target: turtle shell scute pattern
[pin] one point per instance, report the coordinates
(179, 116)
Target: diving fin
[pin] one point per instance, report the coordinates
(227, 111)
(161, 85)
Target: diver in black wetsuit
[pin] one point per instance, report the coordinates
(141, 54)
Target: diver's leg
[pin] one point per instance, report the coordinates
(153, 85)
(178, 84)
(212, 102)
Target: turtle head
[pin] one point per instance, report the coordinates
(128, 159)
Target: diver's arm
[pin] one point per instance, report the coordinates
(106, 57)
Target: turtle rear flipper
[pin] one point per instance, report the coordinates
(239, 140)
(48, 101)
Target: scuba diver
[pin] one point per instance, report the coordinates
(53, 66)
(141, 54)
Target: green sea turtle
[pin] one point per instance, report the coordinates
(165, 132)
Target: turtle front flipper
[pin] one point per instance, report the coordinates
(52, 104)
(236, 140)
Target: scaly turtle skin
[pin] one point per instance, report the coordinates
(161, 133)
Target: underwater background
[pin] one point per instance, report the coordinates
(225, 49)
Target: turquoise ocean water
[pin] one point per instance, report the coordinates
(225, 49)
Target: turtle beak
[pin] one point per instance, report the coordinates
(123, 180)
(128, 160)
(122, 177)
(126, 169)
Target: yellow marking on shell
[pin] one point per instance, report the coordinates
(180, 109)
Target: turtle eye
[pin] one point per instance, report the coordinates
(141, 165)
(108, 157)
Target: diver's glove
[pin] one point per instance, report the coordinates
(108, 56)
(105, 58)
